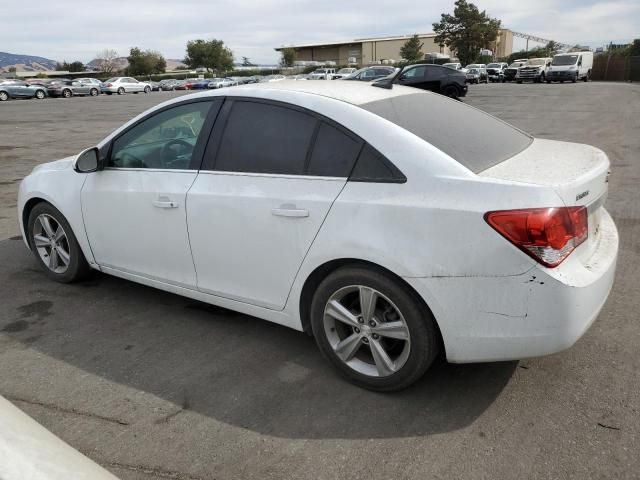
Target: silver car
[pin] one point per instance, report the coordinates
(222, 82)
(19, 89)
(70, 88)
(122, 85)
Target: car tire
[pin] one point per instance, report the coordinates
(4, 96)
(451, 91)
(518, 81)
(574, 79)
(401, 359)
(548, 81)
(40, 94)
(587, 77)
(147, 89)
(121, 91)
(75, 267)
(93, 92)
(66, 93)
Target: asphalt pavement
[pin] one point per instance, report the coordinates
(155, 386)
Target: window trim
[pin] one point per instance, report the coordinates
(198, 150)
(212, 149)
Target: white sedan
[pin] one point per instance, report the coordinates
(392, 224)
(122, 85)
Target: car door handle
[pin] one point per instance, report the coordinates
(165, 204)
(286, 211)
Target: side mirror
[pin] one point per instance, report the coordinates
(88, 161)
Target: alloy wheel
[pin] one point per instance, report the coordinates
(51, 243)
(366, 331)
(4, 96)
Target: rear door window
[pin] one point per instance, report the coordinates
(265, 138)
(334, 152)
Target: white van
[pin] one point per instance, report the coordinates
(572, 66)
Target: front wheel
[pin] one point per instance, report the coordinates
(66, 93)
(373, 329)
(40, 94)
(94, 92)
(451, 91)
(147, 89)
(54, 245)
(121, 91)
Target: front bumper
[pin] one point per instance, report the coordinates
(561, 75)
(540, 312)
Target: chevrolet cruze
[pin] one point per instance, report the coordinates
(391, 224)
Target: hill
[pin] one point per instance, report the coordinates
(28, 63)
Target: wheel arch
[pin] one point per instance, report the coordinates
(314, 279)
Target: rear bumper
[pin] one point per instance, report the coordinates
(540, 312)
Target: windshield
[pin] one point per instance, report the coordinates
(356, 73)
(114, 79)
(322, 70)
(472, 70)
(537, 61)
(516, 65)
(493, 65)
(565, 60)
(345, 70)
(487, 140)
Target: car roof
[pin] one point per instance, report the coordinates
(355, 93)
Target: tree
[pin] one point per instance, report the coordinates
(247, 63)
(467, 31)
(145, 63)
(211, 54)
(411, 51)
(107, 60)
(12, 69)
(288, 57)
(552, 48)
(633, 50)
(76, 66)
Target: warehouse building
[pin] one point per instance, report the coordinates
(367, 51)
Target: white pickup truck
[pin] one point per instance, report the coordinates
(535, 70)
(572, 66)
(322, 74)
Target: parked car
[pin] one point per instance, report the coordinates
(19, 89)
(472, 75)
(180, 85)
(122, 85)
(435, 78)
(322, 74)
(272, 78)
(535, 70)
(459, 243)
(343, 72)
(482, 71)
(572, 66)
(168, 84)
(94, 81)
(369, 74)
(155, 86)
(70, 88)
(221, 82)
(495, 71)
(510, 73)
(197, 83)
(455, 66)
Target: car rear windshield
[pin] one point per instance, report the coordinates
(470, 136)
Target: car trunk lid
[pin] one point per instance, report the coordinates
(577, 173)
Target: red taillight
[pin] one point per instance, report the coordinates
(108, 85)
(548, 235)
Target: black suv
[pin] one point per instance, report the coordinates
(443, 80)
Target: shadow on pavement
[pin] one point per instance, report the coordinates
(237, 369)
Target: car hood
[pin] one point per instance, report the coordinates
(62, 164)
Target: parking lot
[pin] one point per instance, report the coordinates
(155, 386)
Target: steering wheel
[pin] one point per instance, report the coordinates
(168, 155)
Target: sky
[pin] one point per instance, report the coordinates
(76, 30)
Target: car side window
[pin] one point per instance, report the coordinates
(265, 138)
(372, 166)
(165, 140)
(415, 72)
(368, 73)
(334, 153)
(434, 73)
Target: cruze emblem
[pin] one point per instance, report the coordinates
(582, 195)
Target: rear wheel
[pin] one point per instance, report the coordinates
(373, 329)
(147, 89)
(40, 94)
(121, 91)
(451, 91)
(93, 92)
(66, 93)
(54, 245)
